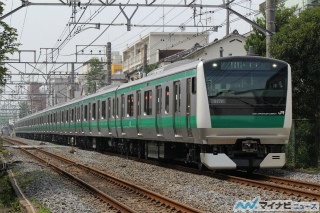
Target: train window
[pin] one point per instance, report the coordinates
(72, 115)
(129, 105)
(78, 113)
(148, 102)
(81, 113)
(67, 115)
(138, 103)
(62, 116)
(109, 108)
(113, 109)
(158, 100)
(177, 98)
(194, 85)
(117, 107)
(167, 100)
(85, 118)
(122, 106)
(94, 111)
(103, 109)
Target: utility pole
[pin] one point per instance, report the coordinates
(228, 18)
(108, 76)
(145, 56)
(270, 24)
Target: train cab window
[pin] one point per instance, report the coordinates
(94, 110)
(85, 114)
(167, 100)
(148, 102)
(103, 109)
(129, 105)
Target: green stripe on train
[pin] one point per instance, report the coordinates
(247, 121)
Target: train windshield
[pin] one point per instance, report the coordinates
(246, 86)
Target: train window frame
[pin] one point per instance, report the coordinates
(122, 107)
(138, 103)
(109, 113)
(93, 111)
(147, 109)
(158, 99)
(85, 113)
(72, 114)
(103, 109)
(67, 115)
(167, 100)
(194, 85)
(130, 105)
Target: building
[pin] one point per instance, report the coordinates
(230, 45)
(159, 45)
(37, 99)
(59, 90)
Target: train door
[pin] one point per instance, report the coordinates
(159, 111)
(177, 120)
(138, 114)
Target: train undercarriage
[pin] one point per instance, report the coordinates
(235, 156)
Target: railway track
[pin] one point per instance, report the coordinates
(284, 185)
(121, 195)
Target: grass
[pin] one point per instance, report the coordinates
(8, 199)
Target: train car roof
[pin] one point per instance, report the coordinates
(169, 69)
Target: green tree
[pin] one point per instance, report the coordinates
(96, 78)
(8, 37)
(258, 39)
(298, 43)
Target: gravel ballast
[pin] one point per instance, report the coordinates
(205, 193)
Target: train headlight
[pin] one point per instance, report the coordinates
(249, 146)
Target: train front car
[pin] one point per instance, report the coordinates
(249, 103)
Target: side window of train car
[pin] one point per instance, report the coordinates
(158, 99)
(109, 108)
(103, 110)
(113, 108)
(78, 113)
(117, 107)
(122, 106)
(148, 102)
(177, 96)
(72, 114)
(62, 116)
(194, 85)
(94, 111)
(138, 103)
(67, 115)
(130, 105)
(167, 98)
(85, 113)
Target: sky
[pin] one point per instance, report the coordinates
(43, 28)
(46, 26)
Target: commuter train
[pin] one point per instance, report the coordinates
(224, 113)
